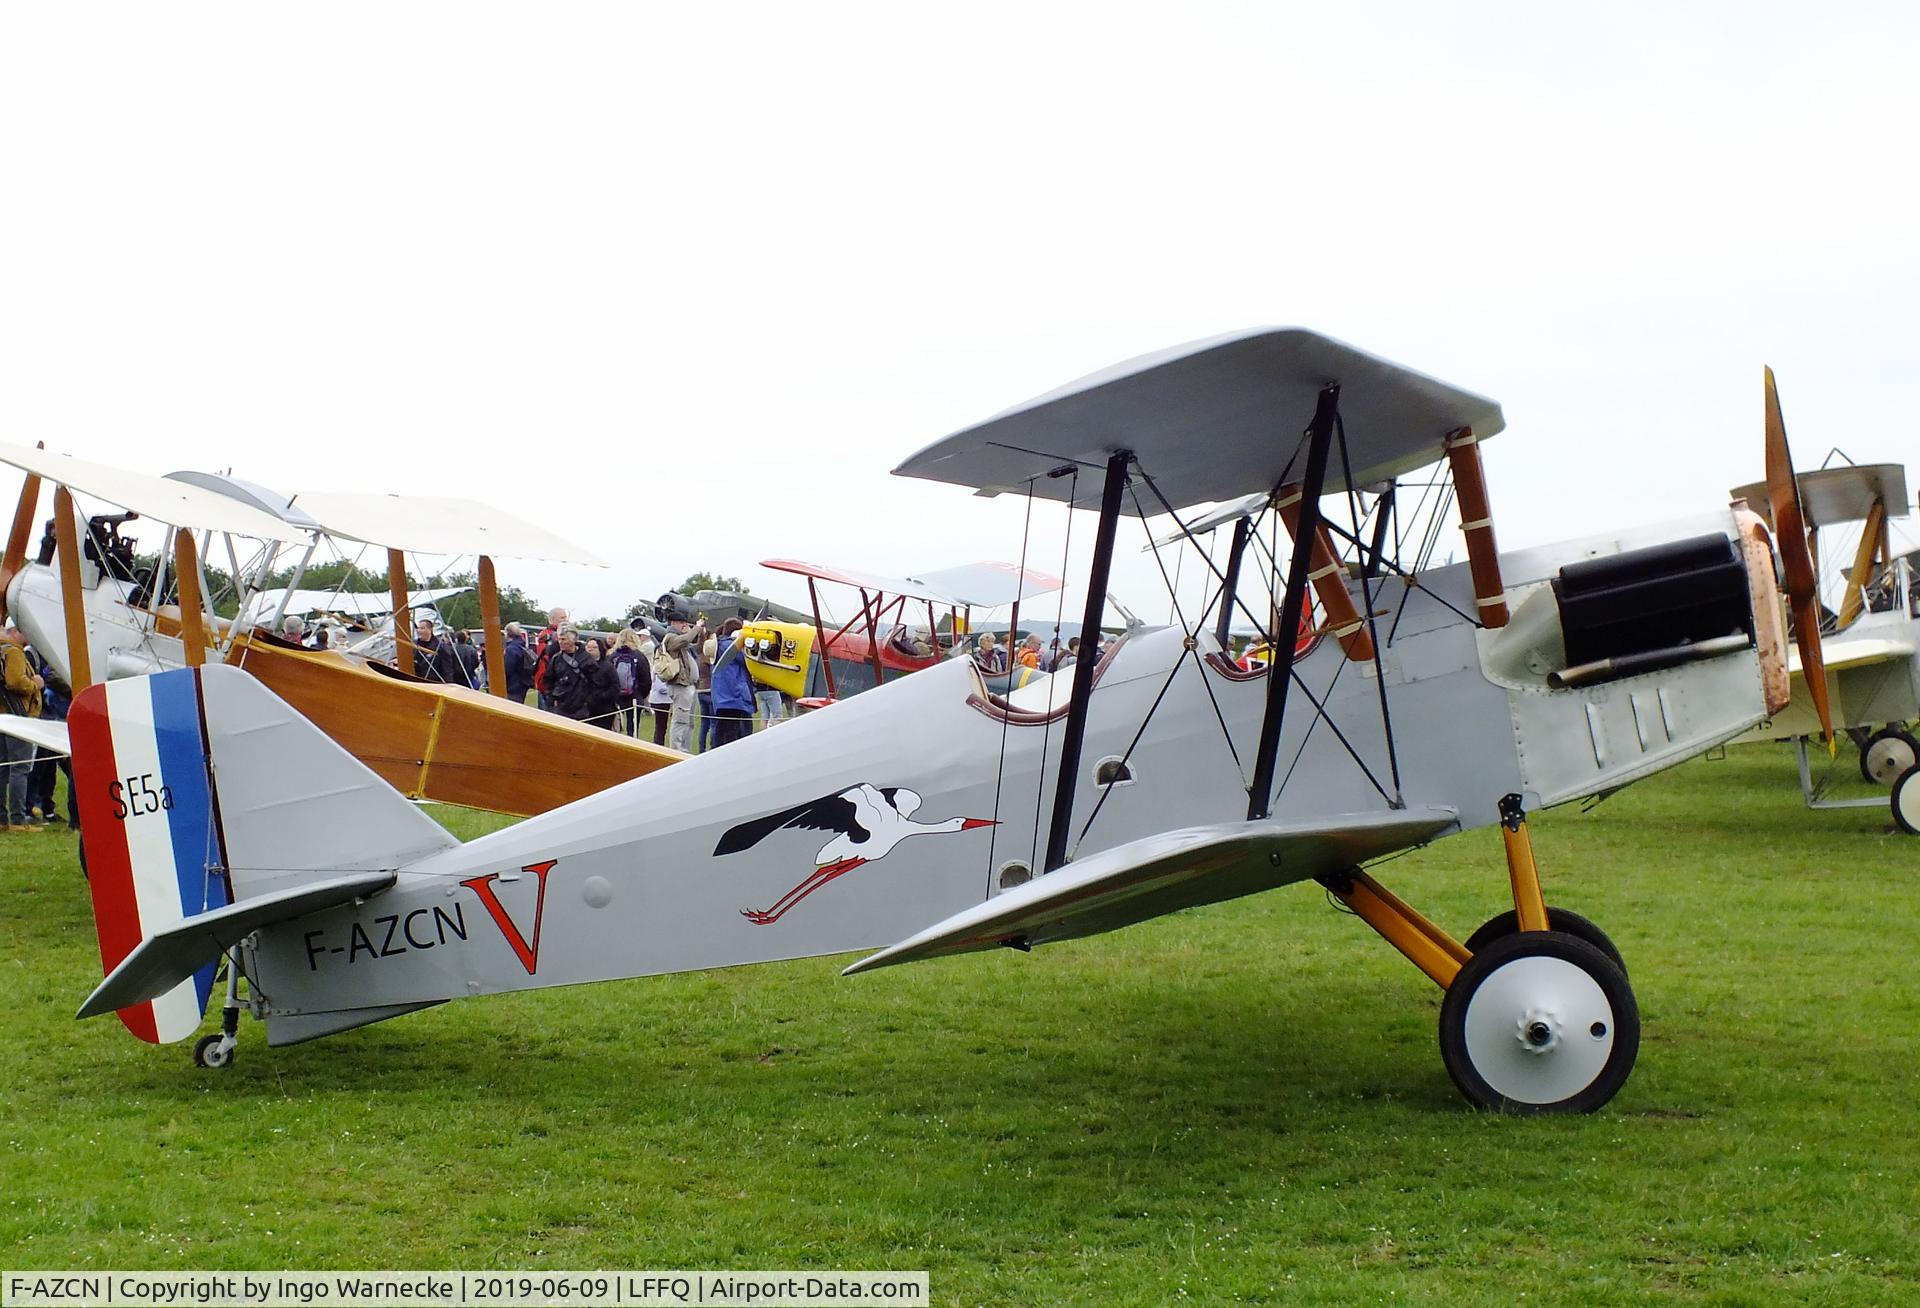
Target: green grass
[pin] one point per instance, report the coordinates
(1240, 1103)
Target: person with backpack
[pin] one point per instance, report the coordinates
(660, 698)
(519, 660)
(633, 680)
(678, 661)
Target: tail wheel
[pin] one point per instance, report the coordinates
(1906, 801)
(1888, 753)
(1563, 920)
(213, 1051)
(1539, 1022)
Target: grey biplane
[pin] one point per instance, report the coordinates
(1870, 641)
(1156, 777)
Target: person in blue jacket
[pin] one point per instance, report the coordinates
(732, 686)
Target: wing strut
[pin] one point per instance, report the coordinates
(1280, 668)
(1076, 729)
(1230, 586)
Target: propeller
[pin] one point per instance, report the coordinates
(1796, 559)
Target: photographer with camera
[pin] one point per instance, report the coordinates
(677, 663)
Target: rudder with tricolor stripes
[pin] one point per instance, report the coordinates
(151, 829)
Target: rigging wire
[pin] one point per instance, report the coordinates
(1000, 768)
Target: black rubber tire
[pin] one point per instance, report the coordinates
(1564, 920)
(1906, 801)
(204, 1055)
(1894, 732)
(1532, 944)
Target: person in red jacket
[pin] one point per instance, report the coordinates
(544, 645)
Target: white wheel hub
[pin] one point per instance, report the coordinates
(1888, 757)
(1539, 1030)
(1906, 800)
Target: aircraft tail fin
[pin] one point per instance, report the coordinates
(200, 789)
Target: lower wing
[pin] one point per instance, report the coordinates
(1164, 873)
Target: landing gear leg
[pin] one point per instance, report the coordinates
(215, 1051)
(1535, 1019)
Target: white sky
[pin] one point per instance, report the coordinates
(685, 283)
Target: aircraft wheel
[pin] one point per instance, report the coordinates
(1564, 920)
(1888, 752)
(1539, 1022)
(212, 1051)
(1906, 801)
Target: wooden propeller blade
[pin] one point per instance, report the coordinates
(1796, 558)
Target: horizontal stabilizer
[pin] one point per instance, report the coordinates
(166, 958)
(44, 733)
(1163, 873)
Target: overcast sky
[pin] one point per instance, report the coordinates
(685, 283)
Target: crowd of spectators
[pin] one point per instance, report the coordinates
(991, 656)
(688, 689)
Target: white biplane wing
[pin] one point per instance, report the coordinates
(1212, 420)
(43, 733)
(163, 499)
(1164, 873)
(1836, 495)
(431, 525)
(978, 585)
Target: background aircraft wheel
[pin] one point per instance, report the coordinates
(1906, 801)
(1539, 1022)
(211, 1051)
(1564, 920)
(1888, 752)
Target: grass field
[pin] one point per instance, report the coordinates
(1243, 1103)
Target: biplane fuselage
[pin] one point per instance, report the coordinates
(628, 882)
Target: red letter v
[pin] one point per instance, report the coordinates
(529, 955)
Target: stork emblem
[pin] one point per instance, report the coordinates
(867, 822)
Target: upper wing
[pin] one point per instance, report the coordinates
(1209, 421)
(1163, 873)
(986, 584)
(175, 503)
(430, 524)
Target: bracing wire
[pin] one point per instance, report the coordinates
(1000, 768)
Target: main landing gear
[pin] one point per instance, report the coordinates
(1889, 756)
(1538, 1016)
